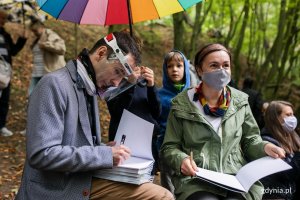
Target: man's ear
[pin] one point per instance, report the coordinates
(101, 52)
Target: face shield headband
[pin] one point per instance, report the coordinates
(112, 42)
(124, 85)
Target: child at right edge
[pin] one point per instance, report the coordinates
(176, 78)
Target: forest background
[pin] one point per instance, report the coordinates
(263, 36)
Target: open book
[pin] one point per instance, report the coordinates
(246, 176)
(135, 133)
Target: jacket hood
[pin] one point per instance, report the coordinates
(167, 83)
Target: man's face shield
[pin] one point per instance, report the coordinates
(119, 75)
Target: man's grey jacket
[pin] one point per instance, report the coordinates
(61, 153)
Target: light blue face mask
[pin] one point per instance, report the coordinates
(217, 79)
(289, 124)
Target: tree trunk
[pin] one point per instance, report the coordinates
(239, 44)
(179, 31)
(198, 22)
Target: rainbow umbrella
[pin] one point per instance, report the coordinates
(110, 12)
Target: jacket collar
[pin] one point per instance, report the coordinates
(82, 105)
(181, 102)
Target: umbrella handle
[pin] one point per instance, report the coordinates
(129, 17)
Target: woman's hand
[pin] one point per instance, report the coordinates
(188, 167)
(274, 151)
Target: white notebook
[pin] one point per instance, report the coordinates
(135, 133)
(246, 176)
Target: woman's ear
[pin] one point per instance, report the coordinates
(199, 71)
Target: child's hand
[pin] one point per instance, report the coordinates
(148, 74)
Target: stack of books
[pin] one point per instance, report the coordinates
(135, 133)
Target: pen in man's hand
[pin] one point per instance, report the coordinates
(123, 139)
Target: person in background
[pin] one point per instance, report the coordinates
(141, 100)
(214, 123)
(63, 130)
(195, 79)
(280, 124)
(7, 49)
(255, 101)
(176, 78)
(48, 51)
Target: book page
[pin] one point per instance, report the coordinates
(136, 163)
(219, 179)
(258, 169)
(135, 133)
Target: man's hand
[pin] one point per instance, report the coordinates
(148, 74)
(120, 154)
(188, 167)
(274, 151)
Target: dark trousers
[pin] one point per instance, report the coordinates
(4, 99)
(207, 195)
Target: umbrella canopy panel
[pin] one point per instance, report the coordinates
(109, 12)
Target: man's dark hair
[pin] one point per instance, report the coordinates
(126, 42)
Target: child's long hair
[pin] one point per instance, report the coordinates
(290, 142)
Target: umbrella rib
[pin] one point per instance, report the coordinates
(83, 11)
(181, 5)
(62, 9)
(42, 5)
(59, 11)
(156, 9)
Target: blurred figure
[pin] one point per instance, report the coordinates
(48, 52)
(7, 49)
(280, 124)
(195, 79)
(255, 101)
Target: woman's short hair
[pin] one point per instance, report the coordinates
(208, 49)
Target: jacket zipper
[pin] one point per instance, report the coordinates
(231, 162)
(221, 151)
(203, 159)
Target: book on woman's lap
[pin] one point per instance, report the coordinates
(246, 176)
(135, 133)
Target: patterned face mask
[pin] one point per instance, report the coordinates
(289, 124)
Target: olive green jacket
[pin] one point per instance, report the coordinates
(187, 130)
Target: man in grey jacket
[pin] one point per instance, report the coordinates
(63, 130)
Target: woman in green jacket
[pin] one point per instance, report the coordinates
(214, 121)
